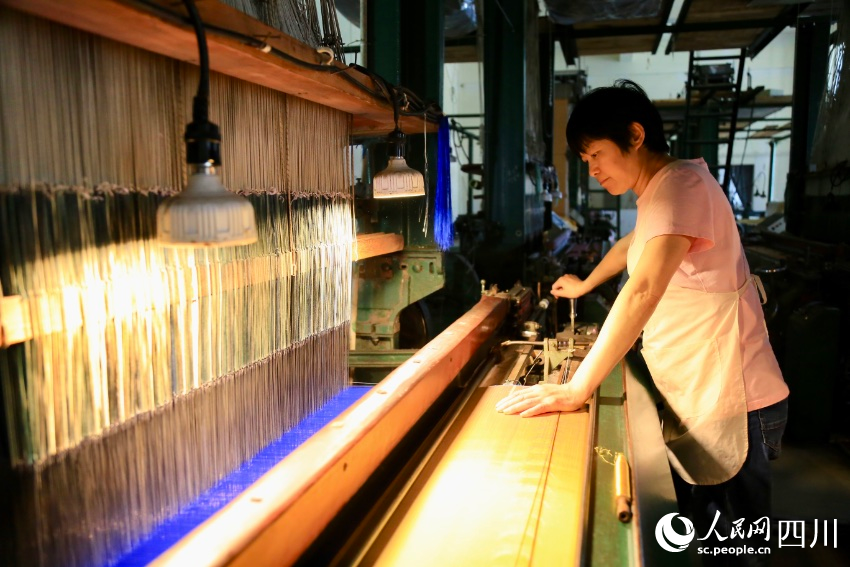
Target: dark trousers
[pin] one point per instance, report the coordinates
(742, 500)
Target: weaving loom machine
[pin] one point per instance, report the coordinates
(134, 377)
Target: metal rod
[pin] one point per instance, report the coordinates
(772, 144)
(727, 174)
(665, 16)
(680, 21)
(572, 316)
(687, 126)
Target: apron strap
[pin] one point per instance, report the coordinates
(760, 288)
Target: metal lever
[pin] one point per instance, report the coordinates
(572, 316)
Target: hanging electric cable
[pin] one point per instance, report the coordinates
(204, 213)
(416, 107)
(398, 179)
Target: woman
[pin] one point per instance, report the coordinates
(691, 294)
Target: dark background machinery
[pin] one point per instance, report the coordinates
(801, 253)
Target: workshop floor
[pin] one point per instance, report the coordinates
(812, 483)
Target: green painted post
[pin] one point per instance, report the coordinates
(501, 259)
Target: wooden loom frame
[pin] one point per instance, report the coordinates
(275, 520)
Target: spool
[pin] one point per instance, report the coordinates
(622, 488)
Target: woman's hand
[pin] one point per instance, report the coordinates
(541, 398)
(569, 286)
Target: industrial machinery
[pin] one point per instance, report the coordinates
(135, 379)
(422, 470)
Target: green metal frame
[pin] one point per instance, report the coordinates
(383, 41)
(385, 286)
(373, 366)
(627, 422)
(810, 75)
(405, 46)
(507, 188)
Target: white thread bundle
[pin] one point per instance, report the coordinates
(154, 371)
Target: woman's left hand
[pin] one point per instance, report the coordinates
(541, 398)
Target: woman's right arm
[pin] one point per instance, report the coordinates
(613, 263)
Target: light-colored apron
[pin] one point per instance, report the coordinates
(692, 347)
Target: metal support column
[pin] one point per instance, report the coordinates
(383, 40)
(422, 57)
(547, 91)
(810, 72)
(504, 143)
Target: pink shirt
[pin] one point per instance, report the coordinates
(684, 198)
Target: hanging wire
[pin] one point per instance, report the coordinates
(200, 110)
(415, 107)
(427, 182)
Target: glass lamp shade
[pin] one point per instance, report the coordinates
(205, 214)
(398, 180)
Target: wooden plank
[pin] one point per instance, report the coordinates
(376, 244)
(615, 44)
(771, 131)
(276, 519)
(134, 25)
(732, 10)
(14, 321)
(560, 114)
(704, 41)
(461, 54)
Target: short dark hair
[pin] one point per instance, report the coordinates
(607, 113)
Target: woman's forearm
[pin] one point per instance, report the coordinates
(632, 309)
(613, 263)
(630, 312)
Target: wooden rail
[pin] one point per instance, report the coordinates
(376, 244)
(275, 520)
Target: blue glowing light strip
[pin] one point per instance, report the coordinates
(175, 528)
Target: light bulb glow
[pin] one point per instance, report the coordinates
(398, 180)
(205, 214)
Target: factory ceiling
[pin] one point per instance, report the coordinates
(696, 27)
(652, 26)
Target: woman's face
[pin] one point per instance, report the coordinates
(616, 172)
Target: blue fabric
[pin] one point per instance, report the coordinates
(443, 229)
(172, 530)
(747, 495)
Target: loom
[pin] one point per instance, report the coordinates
(136, 377)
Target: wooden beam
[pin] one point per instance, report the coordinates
(234, 40)
(376, 244)
(14, 321)
(275, 520)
